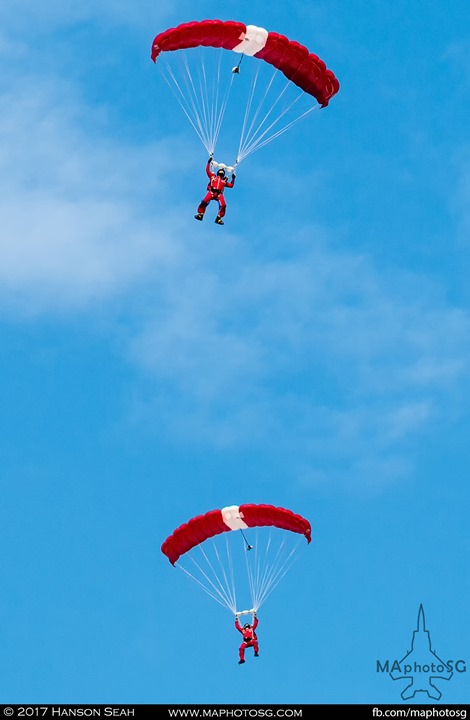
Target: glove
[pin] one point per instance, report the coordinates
(211, 158)
(233, 176)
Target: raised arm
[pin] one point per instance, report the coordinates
(231, 183)
(208, 168)
(238, 626)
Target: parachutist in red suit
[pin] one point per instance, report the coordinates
(249, 637)
(215, 191)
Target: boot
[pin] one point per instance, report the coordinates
(199, 216)
(219, 220)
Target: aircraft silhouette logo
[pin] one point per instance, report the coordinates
(421, 666)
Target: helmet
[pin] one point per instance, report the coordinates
(221, 172)
(246, 625)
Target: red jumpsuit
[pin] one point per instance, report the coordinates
(215, 191)
(249, 638)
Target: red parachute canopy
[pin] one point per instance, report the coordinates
(235, 517)
(294, 60)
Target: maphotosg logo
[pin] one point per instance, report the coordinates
(421, 667)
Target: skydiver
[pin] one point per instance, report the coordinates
(215, 191)
(249, 637)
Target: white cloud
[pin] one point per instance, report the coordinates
(74, 204)
(324, 354)
(461, 198)
(50, 15)
(319, 352)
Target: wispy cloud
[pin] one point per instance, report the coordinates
(324, 354)
(321, 352)
(50, 15)
(73, 226)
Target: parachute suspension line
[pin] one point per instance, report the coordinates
(204, 587)
(267, 567)
(198, 101)
(252, 139)
(204, 95)
(184, 106)
(256, 576)
(261, 562)
(251, 577)
(223, 107)
(213, 110)
(231, 569)
(258, 139)
(279, 568)
(258, 144)
(246, 135)
(214, 94)
(259, 573)
(228, 582)
(276, 580)
(222, 594)
(199, 96)
(265, 581)
(246, 116)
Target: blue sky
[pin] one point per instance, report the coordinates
(313, 353)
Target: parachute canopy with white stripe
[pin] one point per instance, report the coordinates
(209, 549)
(204, 98)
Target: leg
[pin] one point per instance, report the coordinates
(203, 205)
(241, 653)
(255, 647)
(221, 212)
(222, 206)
